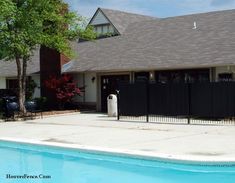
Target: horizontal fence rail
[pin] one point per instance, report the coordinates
(183, 103)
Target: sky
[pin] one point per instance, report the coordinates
(157, 8)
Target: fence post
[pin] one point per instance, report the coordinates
(147, 102)
(118, 108)
(189, 102)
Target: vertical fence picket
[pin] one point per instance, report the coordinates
(118, 105)
(147, 102)
(189, 102)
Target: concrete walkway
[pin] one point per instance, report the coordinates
(97, 130)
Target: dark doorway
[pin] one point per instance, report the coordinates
(109, 85)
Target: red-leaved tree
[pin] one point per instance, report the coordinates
(64, 88)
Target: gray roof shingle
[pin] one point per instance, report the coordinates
(8, 68)
(163, 44)
(155, 44)
(122, 19)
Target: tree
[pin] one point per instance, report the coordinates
(64, 88)
(27, 24)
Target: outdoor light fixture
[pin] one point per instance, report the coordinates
(93, 79)
(151, 75)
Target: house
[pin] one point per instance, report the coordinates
(130, 47)
(8, 73)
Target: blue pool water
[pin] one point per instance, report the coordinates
(59, 165)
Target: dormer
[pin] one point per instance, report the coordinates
(102, 25)
(109, 23)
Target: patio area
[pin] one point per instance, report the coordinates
(199, 142)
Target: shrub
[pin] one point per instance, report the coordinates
(41, 103)
(64, 87)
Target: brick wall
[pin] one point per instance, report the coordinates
(51, 62)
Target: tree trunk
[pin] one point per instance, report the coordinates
(20, 87)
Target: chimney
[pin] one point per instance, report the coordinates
(51, 62)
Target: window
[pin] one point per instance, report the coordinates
(142, 76)
(162, 76)
(176, 76)
(99, 30)
(12, 83)
(111, 30)
(225, 77)
(105, 29)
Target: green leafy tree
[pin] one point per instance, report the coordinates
(27, 24)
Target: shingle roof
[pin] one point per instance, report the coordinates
(122, 19)
(155, 44)
(164, 44)
(8, 68)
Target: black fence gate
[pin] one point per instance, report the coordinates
(177, 102)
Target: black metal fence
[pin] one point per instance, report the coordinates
(177, 102)
(7, 92)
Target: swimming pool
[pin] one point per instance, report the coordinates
(45, 164)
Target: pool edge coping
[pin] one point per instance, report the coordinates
(184, 159)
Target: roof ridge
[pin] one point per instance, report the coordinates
(189, 15)
(128, 12)
(202, 13)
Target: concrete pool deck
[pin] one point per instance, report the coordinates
(97, 131)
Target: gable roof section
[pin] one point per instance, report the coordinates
(164, 44)
(102, 19)
(99, 18)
